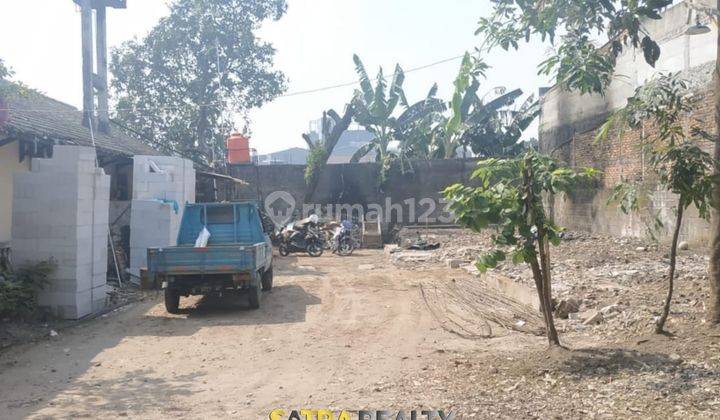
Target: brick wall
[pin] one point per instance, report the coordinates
(620, 157)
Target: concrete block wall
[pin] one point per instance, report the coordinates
(154, 222)
(60, 211)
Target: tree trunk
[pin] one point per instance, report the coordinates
(541, 271)
(328, 143)
(545, 306)
(547, 290)
(660, 326)
(714, 306)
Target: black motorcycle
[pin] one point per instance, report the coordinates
(307, 240)
(344, 245)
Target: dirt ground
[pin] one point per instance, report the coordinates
(328, 335)
(370, 332)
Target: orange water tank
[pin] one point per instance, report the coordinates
(238, 147)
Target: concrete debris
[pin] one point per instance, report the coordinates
(412, 256)
(471, 269)
(566, 307)
(454, 263)
(618, 277)
(591, 317)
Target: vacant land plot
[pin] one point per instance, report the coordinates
(372, 332)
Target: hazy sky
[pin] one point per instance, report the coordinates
(315, 40)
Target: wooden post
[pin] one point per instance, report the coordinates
(102, 70)
(87, 61)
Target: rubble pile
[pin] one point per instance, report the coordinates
(608, 294)
(603, 286)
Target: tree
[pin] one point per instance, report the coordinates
(374, 109)
(183, 82)
(9, 89)
(509, 201)
(333, 127)
(681, 165)
(580, 65)
(488, 129)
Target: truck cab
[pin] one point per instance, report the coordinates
(237, 257)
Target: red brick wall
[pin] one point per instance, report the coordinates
(620, 157)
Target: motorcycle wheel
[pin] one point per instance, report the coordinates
(315, 249)
(284, 250)
(346, 247)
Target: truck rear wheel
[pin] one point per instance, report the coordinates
(172, 301)
(255, 291)
(254, 297)
(267, 280)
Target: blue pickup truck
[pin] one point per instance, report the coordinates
(237, 258)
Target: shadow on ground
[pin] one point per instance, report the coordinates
(283, 305)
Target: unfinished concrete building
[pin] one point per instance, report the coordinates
(569, 123)
(63, 188)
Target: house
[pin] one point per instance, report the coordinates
(64, 187)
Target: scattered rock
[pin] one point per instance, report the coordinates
(454, 263)
(53, 333)
(675, 357)
(610, 309)
(567, 307)
(641, 249)
(683, 246)
(592, 317)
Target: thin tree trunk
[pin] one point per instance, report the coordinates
(540, 275)
(660, 326)
(547, 290)
(714, 306)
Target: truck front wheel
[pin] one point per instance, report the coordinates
(267, 280)
(172, 301)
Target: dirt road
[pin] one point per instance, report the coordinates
(328, 335)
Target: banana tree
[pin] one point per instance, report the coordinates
(374, 109)
(488, 129)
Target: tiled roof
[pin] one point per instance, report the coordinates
(44, 118)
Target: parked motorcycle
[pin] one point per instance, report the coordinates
(346, 244)
(343, 242)
(302, 236)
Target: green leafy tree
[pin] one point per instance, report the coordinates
(374, 109)
(333, 127)
(200, 66)
(5, 71)
(509, 202)
(675, 156)
(487, 129)
(578, 64)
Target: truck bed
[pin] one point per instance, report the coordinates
(217, 259)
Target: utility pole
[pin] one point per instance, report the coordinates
(96, 83)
